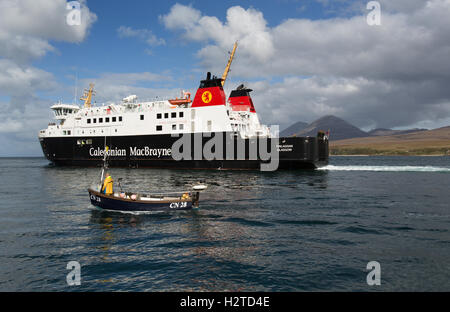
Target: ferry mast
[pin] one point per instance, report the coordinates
(227, 68)
(87, 97)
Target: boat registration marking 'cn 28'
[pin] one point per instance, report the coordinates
(178, 205)
(95, 198)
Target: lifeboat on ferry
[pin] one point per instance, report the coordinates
(185, 100)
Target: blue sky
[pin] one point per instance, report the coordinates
(104, 52)
(303, 58)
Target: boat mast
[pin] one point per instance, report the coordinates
(87, 97)
(227, 69)
(104, 165)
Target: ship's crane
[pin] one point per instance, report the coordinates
(87, 97)
(227, 69)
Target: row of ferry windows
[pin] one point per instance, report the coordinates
(166, 115)
(158, 128)
(158, 116)
(174, 127)
(100, 120)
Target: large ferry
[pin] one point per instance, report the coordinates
(208, 132)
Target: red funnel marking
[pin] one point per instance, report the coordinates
(240, 100)
(209, 93)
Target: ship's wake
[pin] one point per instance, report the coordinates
(387, 168)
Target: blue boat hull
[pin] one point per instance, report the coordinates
(118, 204)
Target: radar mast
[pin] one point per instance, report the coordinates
(227, 69)
(87, 97)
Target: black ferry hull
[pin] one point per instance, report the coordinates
(154, 151)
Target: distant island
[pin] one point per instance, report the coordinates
(347, 139)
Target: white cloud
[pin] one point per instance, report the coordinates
(26, 29)
(402, 5)
(247, 26)
(26, 26)
(391, 75)
(26, 113)
(131, 78)
(111, 87)
(19, 128)
(22, 48)
(145, 35)
(21, 83)
(181, 16)
(44, 19)
(403, 46)
(366, 103)
(10, 125)
(14, 78)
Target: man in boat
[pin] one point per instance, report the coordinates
(108, 185)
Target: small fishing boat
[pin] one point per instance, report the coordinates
(143, 201)
(128, 201)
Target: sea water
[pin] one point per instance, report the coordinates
(254, 231)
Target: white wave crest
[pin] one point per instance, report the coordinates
(386, 168)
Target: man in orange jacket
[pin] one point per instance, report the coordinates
(108, 185)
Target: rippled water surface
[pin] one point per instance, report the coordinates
(254, 231)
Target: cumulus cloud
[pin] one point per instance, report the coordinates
(404, 46)
(44, 18)
(22, 48)
(113, 87)
(27, 28)
(25, 113)
(247, 26)
(403, 6)
(13, 78)
(391, 75)
(19, 128)
(358, 100)
(181, 16)
(21, 83)
(145, 35)
(10, 125)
